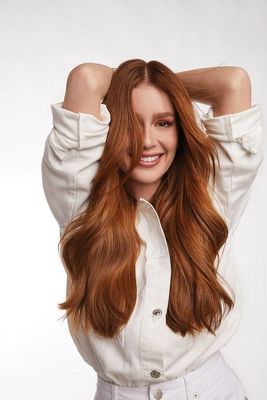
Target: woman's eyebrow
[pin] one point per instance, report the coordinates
(160, 115)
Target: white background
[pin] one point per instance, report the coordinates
(40, 42)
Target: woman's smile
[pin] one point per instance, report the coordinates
(149, 161)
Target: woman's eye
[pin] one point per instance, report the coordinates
(165, 122)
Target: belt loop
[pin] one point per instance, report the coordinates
(114, 392)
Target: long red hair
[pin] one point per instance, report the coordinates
(100, 246)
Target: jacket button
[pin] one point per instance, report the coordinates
(155, 374)
(158, 394)
(157, 312)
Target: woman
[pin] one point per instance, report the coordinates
(147, 197)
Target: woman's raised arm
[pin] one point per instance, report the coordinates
(76, 142)
(227, 89)
(87, 85)
(235, 126)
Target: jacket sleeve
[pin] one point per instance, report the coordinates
(70, 160)
(239, 141)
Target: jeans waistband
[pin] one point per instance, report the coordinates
(198, 374)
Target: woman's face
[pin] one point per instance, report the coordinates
(160, 140)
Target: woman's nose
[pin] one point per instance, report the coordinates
(149, 138)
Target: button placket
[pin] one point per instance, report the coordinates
(157, 274)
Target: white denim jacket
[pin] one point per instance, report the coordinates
(147, 350)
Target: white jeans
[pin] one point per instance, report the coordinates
(213, 380)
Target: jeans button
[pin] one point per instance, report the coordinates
(158, 394)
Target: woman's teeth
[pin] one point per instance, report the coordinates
(149, 159)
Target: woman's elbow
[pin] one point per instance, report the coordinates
(239, 80)
(82, 75)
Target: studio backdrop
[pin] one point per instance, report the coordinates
(40, 43)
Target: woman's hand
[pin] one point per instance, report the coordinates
(87, 85)
(227, 89)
